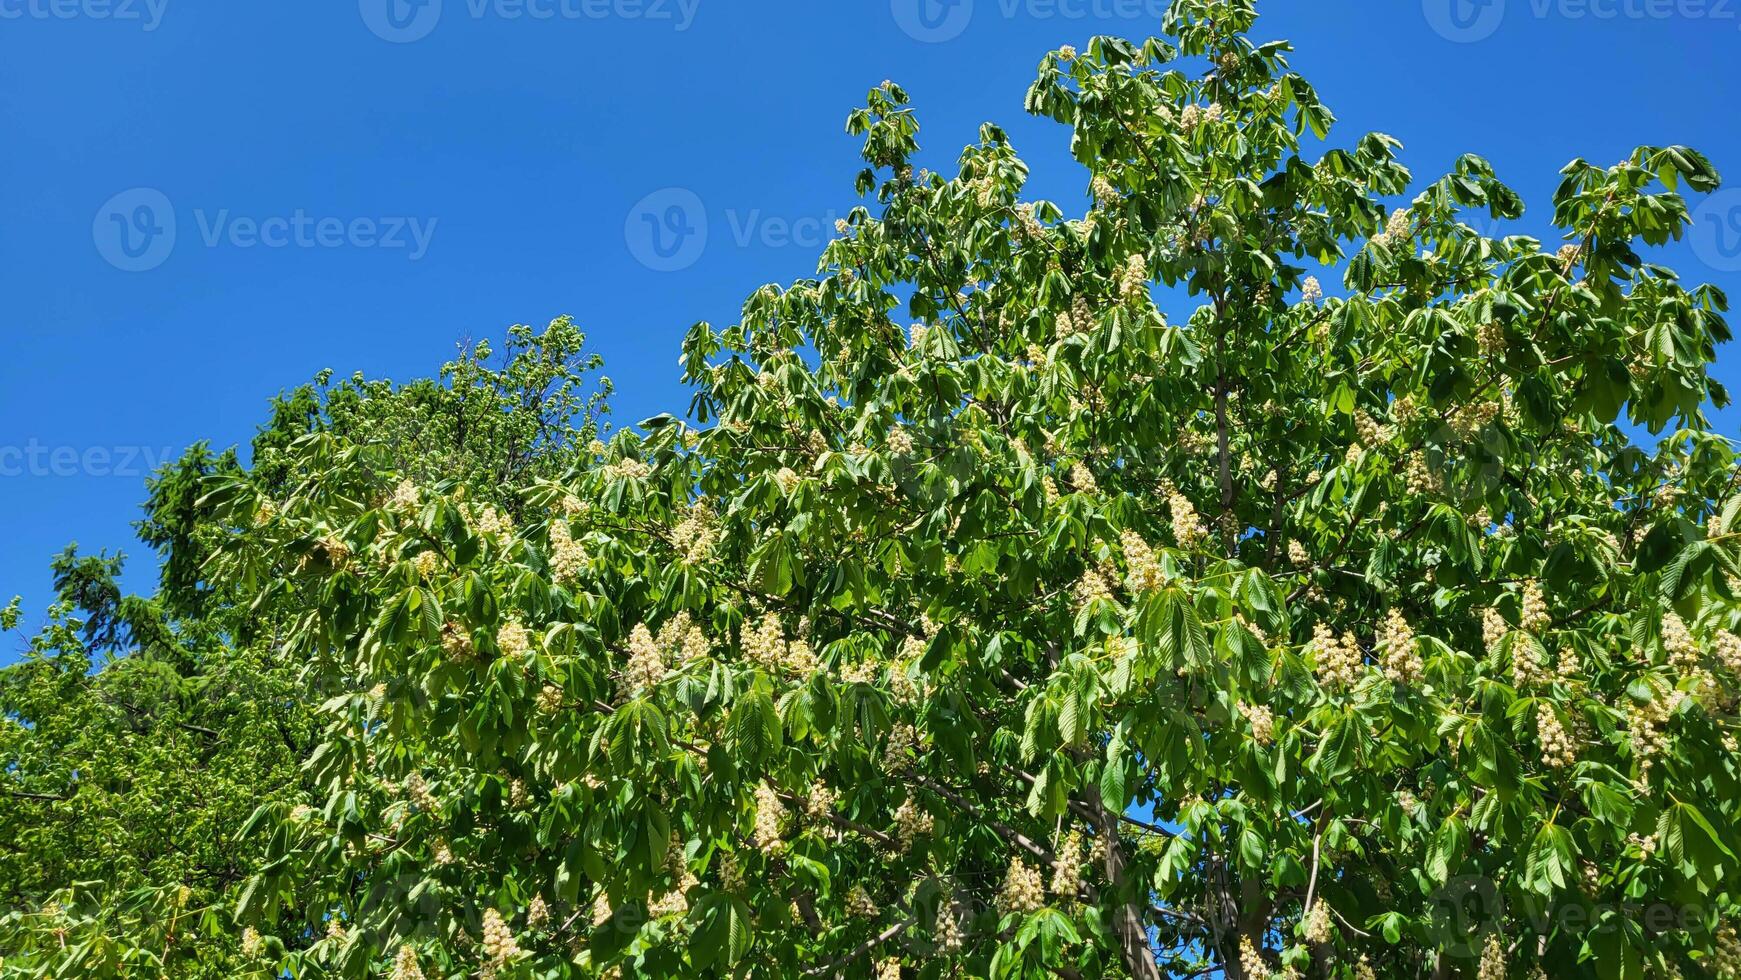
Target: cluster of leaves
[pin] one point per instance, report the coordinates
(137, 736)
(128, 779)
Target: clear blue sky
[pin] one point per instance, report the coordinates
(486, 162)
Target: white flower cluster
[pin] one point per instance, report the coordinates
(1678, 643)
(947, 933)
(646, 667)
(1145, 573)
(900, 442)
(1338, 662)
(1646, 723)
(456, 642)
(902, 687)
(418, 792)
(550, 699)
(889, 969)
(1535, 618)
(1095, 583)
(770, 815)
(567, 558)
(1251, 960)
(911, 823)
(859, 904)
(1318, 927)
(513, 639)
(1262, 721)
(1470, 418)
(1397, 229)
(1103, 190)
(787, 479)
(405, 965)
(766, 644)
(1188, 527)
(1082, 479)
(492, 523)
(537, 913)
(1490, 339)
(675, 901)
(1726, 958)
(498, 943)
(1399, 655)
(1297, 553)
(1363, 970)
(628, 469)
(252, 945)
(427, 563)
(1558, 749)
(1492, 960)
(819, 802)
(1312, 291)
(731, 873)
(1527, 670)
(1133, 279)
(902, 741)
(1420, 478)
(405, 500)
(1493, 627)
(696, 535)
(1067, 867)
(1727, 647)
(1023, 891)
(681, 637)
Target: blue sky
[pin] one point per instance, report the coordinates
(358, 186)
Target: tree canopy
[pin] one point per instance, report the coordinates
(1028, 594)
